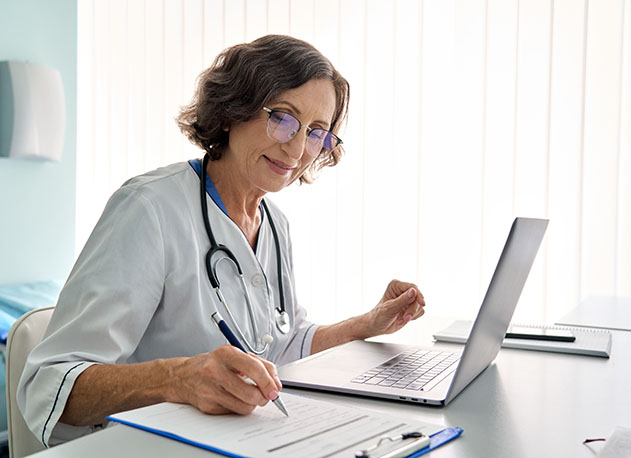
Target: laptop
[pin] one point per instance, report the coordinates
(426, 375)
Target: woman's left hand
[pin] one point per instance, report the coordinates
(401, 303)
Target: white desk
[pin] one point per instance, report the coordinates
(526, 404)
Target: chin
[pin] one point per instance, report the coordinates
(277, 185)
(273, 187)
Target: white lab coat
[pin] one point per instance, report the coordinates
(140, 291)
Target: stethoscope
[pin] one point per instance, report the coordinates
(281, 318)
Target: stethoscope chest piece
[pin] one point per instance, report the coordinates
(282, 321)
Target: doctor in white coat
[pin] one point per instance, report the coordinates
(133, 326)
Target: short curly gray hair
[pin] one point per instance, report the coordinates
(244, 78)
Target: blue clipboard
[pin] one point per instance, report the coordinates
(438, 439)
(184, 440)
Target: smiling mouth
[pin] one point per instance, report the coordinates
(279, 164)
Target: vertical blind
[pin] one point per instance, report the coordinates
(464, 114)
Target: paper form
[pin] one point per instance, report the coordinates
(314, 428)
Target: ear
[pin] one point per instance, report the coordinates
(226, 128)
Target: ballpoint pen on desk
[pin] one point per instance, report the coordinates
(228, 334)
(405, 449)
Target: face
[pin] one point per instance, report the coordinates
(266, 165)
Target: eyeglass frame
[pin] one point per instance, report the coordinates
(271, 111)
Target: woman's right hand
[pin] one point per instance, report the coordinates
(217, 382)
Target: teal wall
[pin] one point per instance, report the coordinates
(37, 199)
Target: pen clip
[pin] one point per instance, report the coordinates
(421, 441)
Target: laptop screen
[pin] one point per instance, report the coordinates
(500, 300)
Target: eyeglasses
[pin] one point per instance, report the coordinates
(282, 127)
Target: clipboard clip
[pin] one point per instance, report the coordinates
(420, 441)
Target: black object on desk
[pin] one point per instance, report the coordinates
(540, 333)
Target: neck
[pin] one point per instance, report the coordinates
(241, 201)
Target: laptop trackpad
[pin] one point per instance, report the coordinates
(340, 364)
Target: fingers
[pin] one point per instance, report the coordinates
(410, 302)
(415, 292)
(262, 373)
(396, 288)
(413, 312)
(271, 369)
(228, 380)
(411, 298)
(226, 402)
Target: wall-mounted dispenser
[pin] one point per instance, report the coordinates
(32, 111)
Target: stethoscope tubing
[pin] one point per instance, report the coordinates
(282, 318)
(248, 304)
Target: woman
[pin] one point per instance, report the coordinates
(133, 323)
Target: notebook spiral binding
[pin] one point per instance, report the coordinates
(554, 327)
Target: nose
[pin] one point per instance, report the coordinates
(296, 147)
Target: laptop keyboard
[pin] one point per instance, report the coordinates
(411, 369)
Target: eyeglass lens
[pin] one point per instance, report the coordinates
(282, 127)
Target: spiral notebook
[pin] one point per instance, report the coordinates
(590, 342)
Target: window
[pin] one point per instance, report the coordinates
(463, 115)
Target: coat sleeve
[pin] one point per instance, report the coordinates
(102, 312)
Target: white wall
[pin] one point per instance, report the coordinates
(464, 114)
